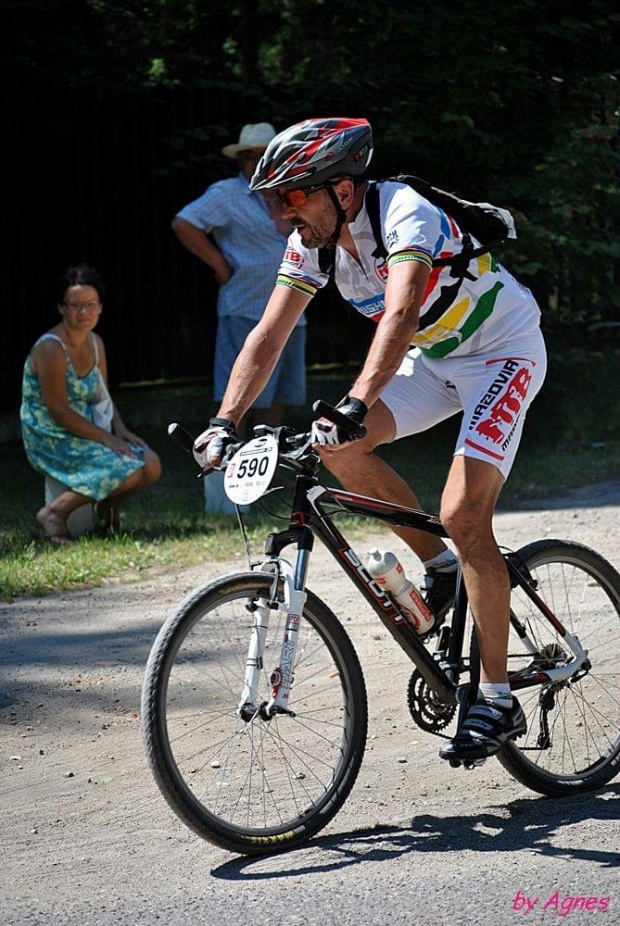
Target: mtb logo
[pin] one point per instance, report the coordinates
(507, 393)
(373, 586)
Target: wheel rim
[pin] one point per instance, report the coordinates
(573, 726)
(261, 777)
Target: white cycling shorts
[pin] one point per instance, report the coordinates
(493, 388)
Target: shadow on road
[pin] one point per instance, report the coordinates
(525, 823)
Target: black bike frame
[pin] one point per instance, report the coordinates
(309, 517)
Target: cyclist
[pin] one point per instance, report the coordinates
(446, 341)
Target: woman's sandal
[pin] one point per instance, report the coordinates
(53, 526)
(107, 518)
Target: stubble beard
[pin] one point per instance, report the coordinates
(317, 234)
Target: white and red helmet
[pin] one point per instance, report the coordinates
(309, 153)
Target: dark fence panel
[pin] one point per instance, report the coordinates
(98, 178)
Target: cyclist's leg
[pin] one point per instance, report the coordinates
(467, 508)
(414, 401)
(496, 392)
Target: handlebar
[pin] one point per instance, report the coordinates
(183, 438)
(294, 447)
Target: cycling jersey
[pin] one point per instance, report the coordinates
(463, 310)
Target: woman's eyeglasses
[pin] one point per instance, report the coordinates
(87, 306)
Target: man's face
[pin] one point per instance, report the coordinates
(248, 159)
(312, 213)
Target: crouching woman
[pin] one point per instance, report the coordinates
(71, 429)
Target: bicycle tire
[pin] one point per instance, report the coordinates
(263, 786)
(572, 744)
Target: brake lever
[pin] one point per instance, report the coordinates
(297, 453)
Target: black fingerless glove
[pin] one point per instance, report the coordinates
(341, 424)
(353, 408)
(226, 424)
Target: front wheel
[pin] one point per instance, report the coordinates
(259, 784)
(572, 742)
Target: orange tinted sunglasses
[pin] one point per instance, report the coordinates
(297, 198)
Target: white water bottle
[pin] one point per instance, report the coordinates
(385, 568)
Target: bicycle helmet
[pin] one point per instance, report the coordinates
(309, 153)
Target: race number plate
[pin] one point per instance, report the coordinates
(249, 473)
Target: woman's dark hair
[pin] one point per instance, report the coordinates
(82, 275)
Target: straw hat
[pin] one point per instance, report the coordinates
(251, 136)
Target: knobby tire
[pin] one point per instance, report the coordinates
(267, 785)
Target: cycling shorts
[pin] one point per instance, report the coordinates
(493, 388)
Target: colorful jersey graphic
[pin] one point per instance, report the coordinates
(459, 313)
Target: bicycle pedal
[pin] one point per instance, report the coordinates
(467, 763)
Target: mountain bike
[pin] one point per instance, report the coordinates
(254, 707)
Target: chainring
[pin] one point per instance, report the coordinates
(428, 713)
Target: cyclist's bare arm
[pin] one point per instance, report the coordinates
(261, 352)
(403, 297)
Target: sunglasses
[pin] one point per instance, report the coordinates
(297, 198)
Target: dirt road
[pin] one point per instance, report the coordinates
(86, 836)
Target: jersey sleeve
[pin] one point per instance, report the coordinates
(209, 211)
(413, 228)
(300, 268)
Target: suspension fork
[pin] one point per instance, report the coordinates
(295, 596)
(294, 582)
(254, 662)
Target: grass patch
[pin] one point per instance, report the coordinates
(571, 439)
(163, 529)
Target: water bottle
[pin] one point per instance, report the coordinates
(385, 568)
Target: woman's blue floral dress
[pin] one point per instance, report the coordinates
(84, 465)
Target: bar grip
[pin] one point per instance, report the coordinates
(178, 433)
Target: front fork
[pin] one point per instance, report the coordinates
(282, 676)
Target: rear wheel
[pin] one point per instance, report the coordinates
(259, 784)
(573, 739)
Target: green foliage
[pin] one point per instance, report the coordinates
(513, 102)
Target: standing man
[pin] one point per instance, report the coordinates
(447, 340)
(240, 235)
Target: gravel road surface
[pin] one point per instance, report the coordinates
(87, 838)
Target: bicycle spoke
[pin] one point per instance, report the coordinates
(263, 773)
(573, 724)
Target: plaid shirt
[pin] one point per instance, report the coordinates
(247, 237)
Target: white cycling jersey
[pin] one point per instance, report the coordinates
(460, 314)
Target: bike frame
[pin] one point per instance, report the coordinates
(310, 517)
